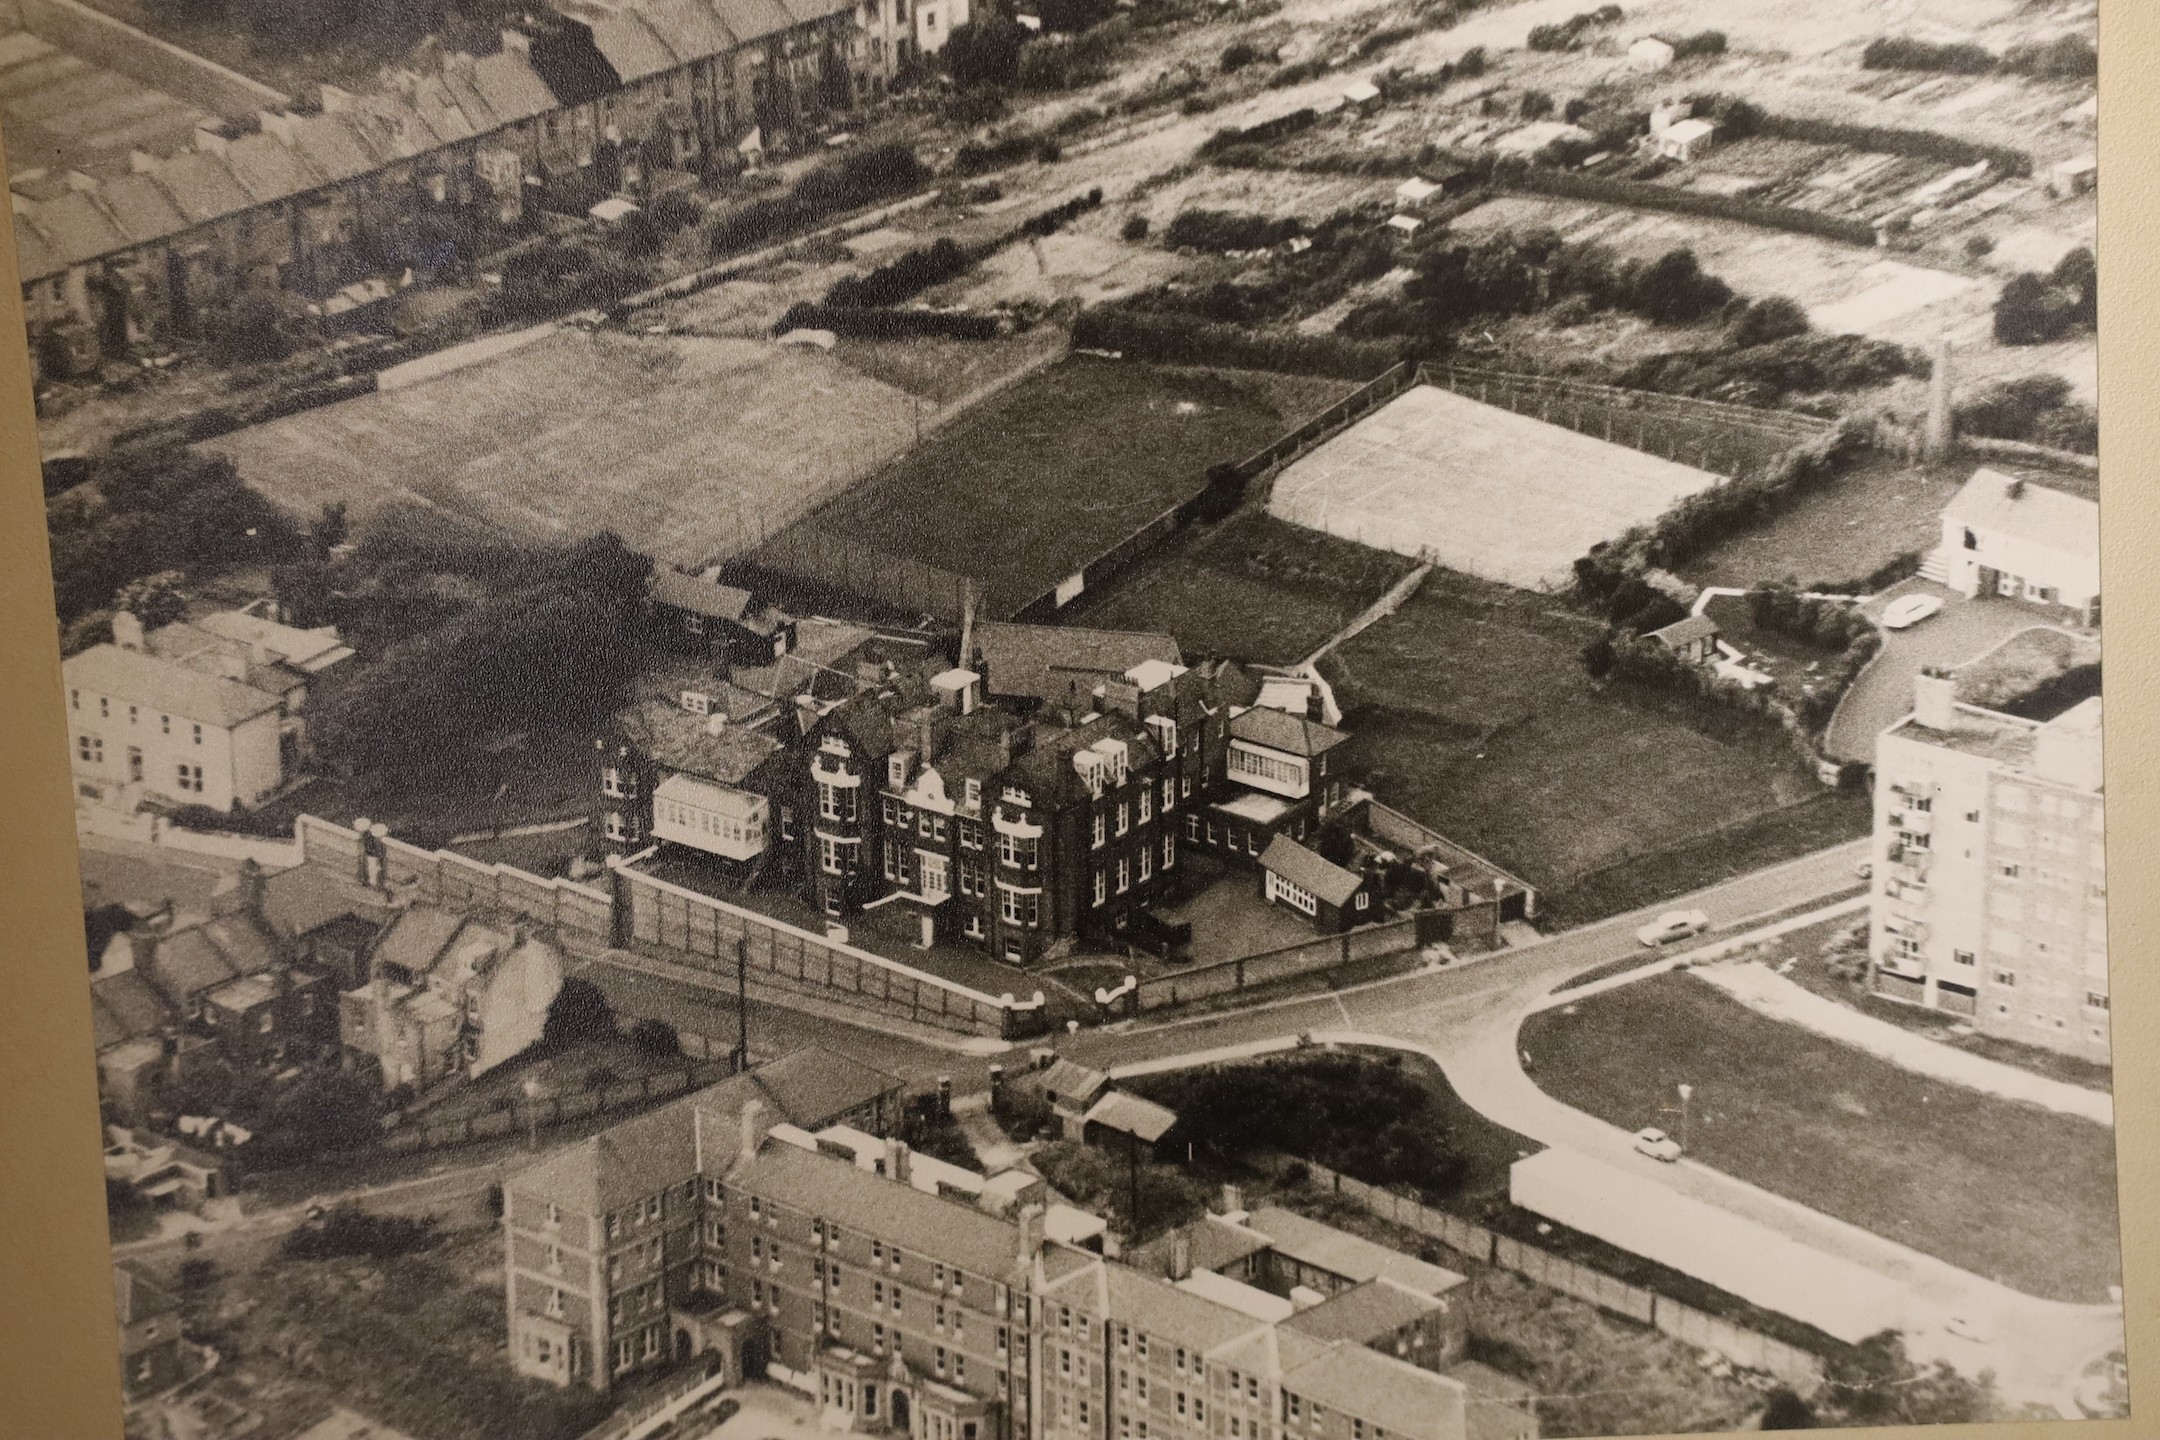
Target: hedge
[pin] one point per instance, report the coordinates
(875, 323)
(1739, 118)
(1643, 195)
(1179, 339)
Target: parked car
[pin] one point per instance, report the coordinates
(1657, 1145)
(1673, 925)
(1910, 610)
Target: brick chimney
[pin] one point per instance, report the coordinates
(897, 1167)
(1031, 1232)
(127, 630)
(1181, 1255)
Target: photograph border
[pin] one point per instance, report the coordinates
(59, 1369)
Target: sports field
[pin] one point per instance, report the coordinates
(1028, 487)
(1480, 489)
(683, 446)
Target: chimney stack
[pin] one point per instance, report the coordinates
(1180, 1256)
(753, 1129)
(127, 630)
(896, 1160)
(1233, 1200)
(1935, 442)
(1031, 1232)
(1935, 699)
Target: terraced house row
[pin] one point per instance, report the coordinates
(712, 1232)
(339, 205)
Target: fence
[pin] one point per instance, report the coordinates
(806, 553)
(700, 935)
(1329, 952)
(1709, 434)
(443, 877)
(1281, 451)
(1801, 1369)
(527, 1116)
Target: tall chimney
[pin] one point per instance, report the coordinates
(127, 630)
(1935, 442)
(1180, 1256)
(753, 1129)
(1031, 1232)
(1935, 700)
(896, 1160)
(1233, 1200)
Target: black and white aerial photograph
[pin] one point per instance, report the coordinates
(1082, 719)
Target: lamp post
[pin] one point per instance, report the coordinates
(1686, 1092)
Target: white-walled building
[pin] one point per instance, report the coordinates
(2012, 538)
(142, 726)
(1990, 887)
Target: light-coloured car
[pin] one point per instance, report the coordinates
(1657, 1145)
(1673, 925)
(1865, 870)
(1909, 610)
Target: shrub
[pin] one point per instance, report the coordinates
(1536, 105)
(1471, 63)
(656, 1038)
(985, 52)
(876, 323)
(578, 1013)
(1772, 317)
(1298, 72)
(1384, 38)
(1702, 42)
(2031, 310)
(1568, 34)
(1135, 228)
(1178, 339)
(902, 279)
(1902, 52)
(1238, 54)
(980, 106)
(348, 1230)
(1223, 230)
(2065, 57)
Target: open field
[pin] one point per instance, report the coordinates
(1035, 483)
(1253, 588)
(1472, 713)
(683, 446)
(1997, 1188)
(1840, 531)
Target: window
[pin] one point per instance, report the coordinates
(829, 855)
(1124, 874)
(1169, 792)
(1018, 851)
(191, 778)
(1019, 907)
(1963, 957)
(611, 781)
(1102, 824)
(554, 1300)
(2010, 870)
(198, 734)
(2007, 979)
(1147, 864)
(1147, 806)
(836, 802)
(2094, 1000)
(970, 833)
(91, 749)
(1124, 817)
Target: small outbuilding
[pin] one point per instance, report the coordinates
(1686, 140)
(1650, 53)
(1693, 639)
(1333, 897)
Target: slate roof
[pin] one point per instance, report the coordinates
(700, 597)
(1050, 662)
(417, 938)
(166, 686)
(185, 964)
(682, 740)
(137, 1296)
(1309, 871)
(1685, 632)
(1351, 1256)
(1393, 1394)
(1364, 1313)
(1072, 1081)
(955, 1232)
(1280, 730)
(2034, 513)
(305, 898)
(126, 1006)
(1131, 1115)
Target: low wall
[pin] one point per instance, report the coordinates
(119, 47)
(1801, 1369)
(1226, 977)
(443, 877)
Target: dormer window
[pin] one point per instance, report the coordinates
(974, 791)
(896, 770)
(697, 702)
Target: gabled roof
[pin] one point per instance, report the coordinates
(1280, 730)
(267, 168)
(700, 597)
(1393, 1394)
(2006, 505)
(1072, 1080)
(1351, 1256)
(201, 186)
(127, 1007)
(307, 650)
(77, 228)
(631, 46)
(417, 938)
(306, 898)
(166, 686)
(1128, 1114)
(1052, 662)
(185, 964)
(141, 210)
(686, 742)
(813, 1085)
(824, 1185)
(1307, 870)
(1685, 632)
(1364, 1313)
(690, 27)
(139, 1297)
(752, 20)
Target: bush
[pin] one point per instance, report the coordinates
(1178, 339)
(348, 1230)
(579, 1013)
(2069, 57)
(1536, 105)
(1902, 52)
(1568, 34)
(1471, 63)
(1221, 231)
(1758, 322)
(2031, 310)
(656, 1038)
(1298, 72)
(1702, 42)
(1135, 228)
(980, 106)
(1766, 374)
(2011, 409)
(1826, 624)
(1238, 54)
(874, 323)
(985, 52)
(902, 279)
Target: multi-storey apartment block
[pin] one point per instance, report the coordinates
(707, 1230)
(1990, 893)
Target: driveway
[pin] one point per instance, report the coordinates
(1882, 695)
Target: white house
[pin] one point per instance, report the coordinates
(2019, 540)
(1686, 140)
(142, 726)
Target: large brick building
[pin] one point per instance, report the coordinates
(708, 1230)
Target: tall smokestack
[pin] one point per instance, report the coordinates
(1935, 442)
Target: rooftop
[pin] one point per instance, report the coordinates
(1056, 663)
(1280, 730)
(710, 746)
(2008, 505)
(1365, 1313)
(1309, 871)
(1237, 1295)
(166, 686)
(1682, 632)
(699, 596)
(1129, 1114)
(1353, 1257)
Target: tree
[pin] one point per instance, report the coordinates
(329, 529)
(304, 591)
(656, 1037)
(2077, 273)
(2033, 310)
(1674, 288)
(156, 600)
(985, 52)
(1787, 1411)
(1876, 1383)
(248, 331)
(1773, 317)
(579, 1013)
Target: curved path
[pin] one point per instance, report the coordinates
(1467, 1018)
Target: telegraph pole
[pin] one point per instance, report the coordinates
(742, 1006)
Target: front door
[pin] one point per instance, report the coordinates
(899, 1409)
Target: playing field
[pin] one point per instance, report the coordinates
(684, 446)
(1480, 489)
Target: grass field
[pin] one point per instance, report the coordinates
(1472, 713)
(1033, 484)
(1843, 531)
(1997, 1188)
(1253, 588)
(682, 446)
